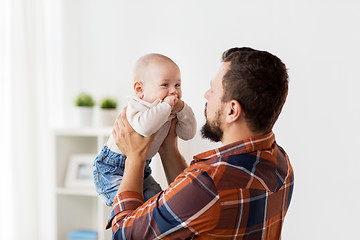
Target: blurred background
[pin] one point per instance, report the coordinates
(51, 50)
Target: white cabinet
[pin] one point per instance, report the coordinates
(78, 207)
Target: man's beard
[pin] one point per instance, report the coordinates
(212, 130)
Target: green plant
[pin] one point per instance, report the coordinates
(84, 100)
(108, 103)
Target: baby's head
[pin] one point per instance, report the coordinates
(156, 77)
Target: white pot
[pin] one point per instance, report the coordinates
(108, 116)
(83, 116)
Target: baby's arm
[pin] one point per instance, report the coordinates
(186, 125)
(148, 121)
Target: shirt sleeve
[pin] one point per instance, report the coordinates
(188, 207)
(186, 125)
(147, 121)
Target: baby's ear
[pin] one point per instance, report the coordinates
(138, 89)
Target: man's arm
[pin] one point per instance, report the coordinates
(173, 162)
(188, 207)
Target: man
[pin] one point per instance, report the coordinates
(241, 190)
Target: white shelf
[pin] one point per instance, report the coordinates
(86, 131)
(77, 192)
(78, 208)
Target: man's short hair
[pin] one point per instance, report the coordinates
(258, 80)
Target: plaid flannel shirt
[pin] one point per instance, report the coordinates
(238, 191)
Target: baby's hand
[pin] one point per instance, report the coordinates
(171, 100)
(178, 107)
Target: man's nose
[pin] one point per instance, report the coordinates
(206, 94)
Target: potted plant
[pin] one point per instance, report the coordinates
(108, 111)
(84, 104)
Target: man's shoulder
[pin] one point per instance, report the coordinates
(241, 160)
(244, 170)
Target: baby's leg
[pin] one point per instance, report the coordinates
(150, 188)
(108, 172)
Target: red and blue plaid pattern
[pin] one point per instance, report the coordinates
(238, 191)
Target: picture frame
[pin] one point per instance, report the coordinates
(79, 172)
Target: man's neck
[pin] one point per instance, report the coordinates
(237, 133)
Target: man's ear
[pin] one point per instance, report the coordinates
(138, 89)
(234, 111)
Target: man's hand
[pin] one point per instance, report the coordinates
(130, 142)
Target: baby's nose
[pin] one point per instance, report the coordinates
(173, 90)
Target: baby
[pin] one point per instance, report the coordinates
(156, 101)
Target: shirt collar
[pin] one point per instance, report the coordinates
(239, 147)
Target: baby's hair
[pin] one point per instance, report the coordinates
(143, 63)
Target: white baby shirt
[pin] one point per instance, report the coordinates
(147, 118)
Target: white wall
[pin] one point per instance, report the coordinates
(318, 41)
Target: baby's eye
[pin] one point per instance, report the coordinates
(177, 85)
(164, 85)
